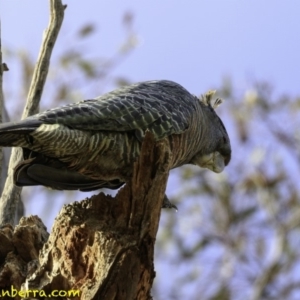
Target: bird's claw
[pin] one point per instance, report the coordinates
(168, 204)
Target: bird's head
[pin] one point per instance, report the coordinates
(216, 151)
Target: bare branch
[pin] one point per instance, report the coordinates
(2, 68)
(272, 269)
(11, 194)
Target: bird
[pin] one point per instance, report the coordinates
(94, 143)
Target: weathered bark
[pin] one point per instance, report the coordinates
(19, 252)
(104, 246)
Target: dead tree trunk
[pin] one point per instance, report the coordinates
(102, 246)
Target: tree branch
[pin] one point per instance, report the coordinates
(1, 99)
(11, 194)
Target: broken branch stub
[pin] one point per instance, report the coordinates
(104, 246)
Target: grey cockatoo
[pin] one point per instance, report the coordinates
(94, 143)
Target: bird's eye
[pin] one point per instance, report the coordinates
(224, 139)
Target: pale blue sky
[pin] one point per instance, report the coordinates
(195, 43)
(192, 42)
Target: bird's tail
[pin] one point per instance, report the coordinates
(41, 170)
(13, 133)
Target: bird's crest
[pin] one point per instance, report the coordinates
(207, 98)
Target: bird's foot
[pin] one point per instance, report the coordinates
(168, 204)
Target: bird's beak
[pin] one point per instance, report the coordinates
(213, 161)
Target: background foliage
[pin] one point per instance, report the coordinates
(236, 234)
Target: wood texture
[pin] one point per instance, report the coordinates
(104, 246)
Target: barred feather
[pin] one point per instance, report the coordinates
(93, 143)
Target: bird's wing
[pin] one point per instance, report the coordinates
(162, 107)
